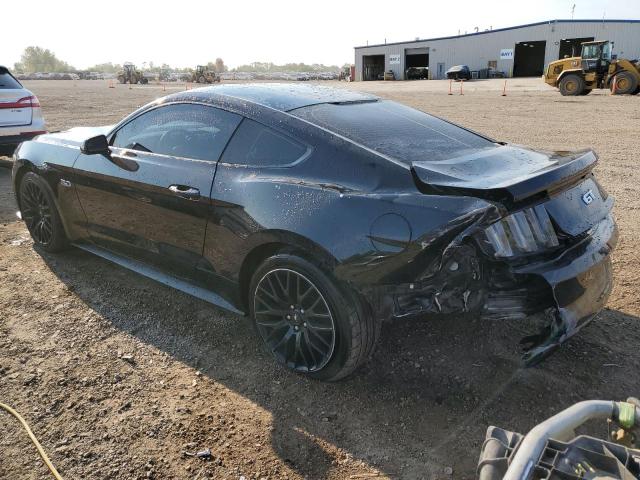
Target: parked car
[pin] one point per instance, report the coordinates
(459, 72)
(20, 113)
(417, 73)
(294, 204)
(388, 75)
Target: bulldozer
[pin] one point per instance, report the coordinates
(202, 74)
(596, 67)
(130, 74)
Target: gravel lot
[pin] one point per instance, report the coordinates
(118, 376)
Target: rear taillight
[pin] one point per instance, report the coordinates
(25, 102)
(30, 101)
(527, 231)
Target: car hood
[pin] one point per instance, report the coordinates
(74, 136)
(505, 170)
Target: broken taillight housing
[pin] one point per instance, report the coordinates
(526, 231)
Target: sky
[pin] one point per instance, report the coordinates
(187, 33)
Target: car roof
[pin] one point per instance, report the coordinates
(279, 96)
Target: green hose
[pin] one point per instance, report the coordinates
(626, 415)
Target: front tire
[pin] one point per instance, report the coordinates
(309, 323)
(571, 85)
(625, 83)
(40, 214)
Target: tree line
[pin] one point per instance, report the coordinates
(38, 59)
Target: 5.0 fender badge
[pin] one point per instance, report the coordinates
(587, 197)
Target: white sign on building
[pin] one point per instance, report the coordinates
(394, 59)
(506, 54)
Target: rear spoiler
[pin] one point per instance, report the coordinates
(506, 173)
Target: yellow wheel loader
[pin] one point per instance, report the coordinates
(203, 75)
(130, 74)
(594, 68)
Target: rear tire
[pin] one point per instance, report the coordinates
(40, 214)
(625, 83)
(586, 91)
(307, 321)
(571, 85)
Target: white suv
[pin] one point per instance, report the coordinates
(20, 113)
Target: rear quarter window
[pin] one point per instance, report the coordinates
(7, 82)
(256, 145)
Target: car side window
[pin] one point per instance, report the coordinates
(182, 130)
(257, 145)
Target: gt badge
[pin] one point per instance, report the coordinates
(588, 197)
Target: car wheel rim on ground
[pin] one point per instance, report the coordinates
(294, 320)
(36, 212)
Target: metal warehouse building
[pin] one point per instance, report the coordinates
(519, 51)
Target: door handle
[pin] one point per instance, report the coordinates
(185, 191)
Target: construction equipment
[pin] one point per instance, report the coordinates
(204, 75)
(552, 451)
(596, 67)
(130, 74)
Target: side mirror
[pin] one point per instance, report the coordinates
(97, 145)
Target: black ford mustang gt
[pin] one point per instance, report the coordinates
(319, 212)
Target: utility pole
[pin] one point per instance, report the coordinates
(573, 10)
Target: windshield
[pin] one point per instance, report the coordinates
(394, 130)
(593, 51)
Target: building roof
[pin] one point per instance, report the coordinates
(546, 22)
(279, 96)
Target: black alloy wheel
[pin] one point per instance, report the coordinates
(308, 320)
(39, 213)
(36, 212)
(294, 320)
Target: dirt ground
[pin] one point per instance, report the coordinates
(118, 375)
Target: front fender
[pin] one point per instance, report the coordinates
(53, 163)
(564, 73)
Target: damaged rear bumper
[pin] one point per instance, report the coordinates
(570, 288)
(580, 280)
